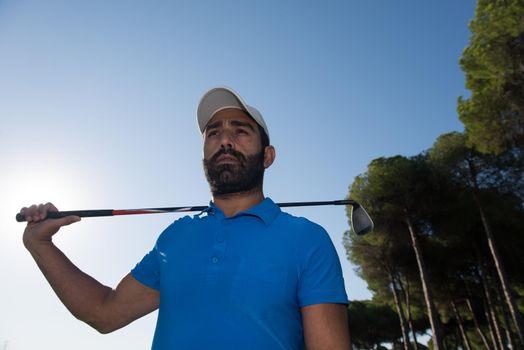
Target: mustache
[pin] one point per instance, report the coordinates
(228, 151)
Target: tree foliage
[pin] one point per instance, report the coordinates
(435, 189)
(449, 222)
(493, 62)
(372, 324)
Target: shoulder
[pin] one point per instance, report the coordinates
(298, 222)
(305, 228)
(181, 226)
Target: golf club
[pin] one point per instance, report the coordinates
(360, 220)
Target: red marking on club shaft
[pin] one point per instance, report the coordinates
(138, 211)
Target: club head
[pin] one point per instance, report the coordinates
(360, 220)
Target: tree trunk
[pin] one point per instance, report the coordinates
(494, 319)
(490, 308)
(476, 323)
(508, 293)
(509, 334)
(505, 316)
(491, 327)
(396, 298)
(463, 334)
(486, 297)
(407, 298)
(428, 297)
(510, 301)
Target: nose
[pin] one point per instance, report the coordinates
(227, 139)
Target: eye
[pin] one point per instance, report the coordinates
(242, 131)
(213, 132)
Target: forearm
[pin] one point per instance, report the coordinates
(326, 327)
(82, 295)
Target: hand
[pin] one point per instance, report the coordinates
(40, 230)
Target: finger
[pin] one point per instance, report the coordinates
(46, 208)
(42, 211)
(51, 207)
(53, 225)
(31, 212)
(25, 213)
(68, 220)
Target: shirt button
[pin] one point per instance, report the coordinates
(214, 259)
(220, 239)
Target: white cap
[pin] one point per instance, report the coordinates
(220, 98)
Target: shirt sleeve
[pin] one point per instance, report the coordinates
(147, 271)
(320, 278)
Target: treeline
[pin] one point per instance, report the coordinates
(446, 258)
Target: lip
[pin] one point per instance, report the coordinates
(227, 159)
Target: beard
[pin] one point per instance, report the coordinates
(227, 179)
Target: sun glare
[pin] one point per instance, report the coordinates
(26, 184)
(33, 182)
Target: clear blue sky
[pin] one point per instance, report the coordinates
(97, 110)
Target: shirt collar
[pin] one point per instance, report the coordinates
(266, 211)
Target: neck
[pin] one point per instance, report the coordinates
(233, 203)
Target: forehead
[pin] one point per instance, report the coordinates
(231, 114)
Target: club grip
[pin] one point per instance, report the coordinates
(80, 213)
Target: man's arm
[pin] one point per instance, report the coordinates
(87, 299)
(326, 327)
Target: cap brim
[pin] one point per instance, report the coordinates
(220, 98)
(215, 100)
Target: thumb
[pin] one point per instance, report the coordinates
(68, 220)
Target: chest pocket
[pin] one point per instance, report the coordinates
(259, 289)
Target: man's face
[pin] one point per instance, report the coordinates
(234, 160)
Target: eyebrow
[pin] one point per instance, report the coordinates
(233, 122)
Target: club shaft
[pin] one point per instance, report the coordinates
(115, 212)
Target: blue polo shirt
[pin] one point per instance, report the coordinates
(239, 282)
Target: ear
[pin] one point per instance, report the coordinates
(269, 156)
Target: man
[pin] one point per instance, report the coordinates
(240, 274)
